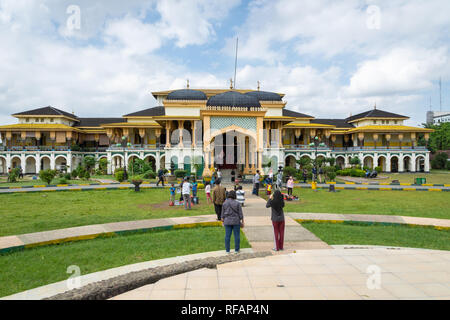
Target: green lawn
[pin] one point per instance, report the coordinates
(401, 203)
(39, 182)
(33, 212)
(32, 268)
(434, 177)
(397, 236)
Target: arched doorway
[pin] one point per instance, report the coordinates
(407, 163)
(61, 163)
(3, 168)
(117, 162)
(290, 161)
(150, 160)
(187, 164)
(394, 164)
(382, 163)
(30, 165)
(420, 164)
(340, 162)
(45, 163)
(368, 162)
(16, 162)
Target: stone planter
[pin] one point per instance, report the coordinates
(137, 185)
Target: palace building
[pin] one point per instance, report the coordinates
(231, 129)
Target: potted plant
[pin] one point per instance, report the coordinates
(137, 181)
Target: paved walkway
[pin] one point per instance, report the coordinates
(259, 231)
(153, 185)
(314, 274)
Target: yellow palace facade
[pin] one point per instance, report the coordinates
(201, 129)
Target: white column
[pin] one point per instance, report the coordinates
(346, 162)
(52, 162)
(401, 167)
(413, 163)
(8, 162)
(109, 167)
(388, 163)
(427, 162)
(23, 163)
(69, 163)
(158, 161)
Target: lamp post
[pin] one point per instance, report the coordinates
(316, 144)
(124, 145)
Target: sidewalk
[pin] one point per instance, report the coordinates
(259, 230)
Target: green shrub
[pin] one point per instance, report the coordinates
(136, 178)
(149, 174)
(289, 171)
(87, 175)
(139, 166)
(88, 163)
(67, 176)
(102, 166)
(331, 175)
(447, 165)
(439, 161)
(62, 181)
(119, 175)
(14, 175)
(47, 175)
(378, 169)
(180, 173)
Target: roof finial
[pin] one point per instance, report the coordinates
(187, 83)
(258, 84)
(375, 106)
(231, 83)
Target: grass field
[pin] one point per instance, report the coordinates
(398, 236)
(400, 203)
(33, 212)
(434, 177)
(29, 182)
(31, 268)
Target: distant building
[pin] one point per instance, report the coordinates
(437, 117)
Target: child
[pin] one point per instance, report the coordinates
(208, 192)
(290, 185)
(194, 188)
(269, 189)
(240, 195)
(172, 193)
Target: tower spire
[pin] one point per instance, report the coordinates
(187, 83)
(258, 84)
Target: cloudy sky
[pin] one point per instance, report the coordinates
(330, 58)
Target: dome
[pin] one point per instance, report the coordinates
(264, 95)
(233, 99)
(186, 94)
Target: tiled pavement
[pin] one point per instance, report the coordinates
(313, 274)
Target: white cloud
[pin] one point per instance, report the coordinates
(402, 70)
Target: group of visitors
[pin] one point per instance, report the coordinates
(228, 204)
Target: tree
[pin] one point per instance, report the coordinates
(355, 161)
(47, 175)
(439, 139)
(331, 161)
(89, 163)
(440, 161)
(304, 161)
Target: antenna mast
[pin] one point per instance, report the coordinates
(440, 94)
(235, 62)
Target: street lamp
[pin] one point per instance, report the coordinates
(316, 144)
(124, 144)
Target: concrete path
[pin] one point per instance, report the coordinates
(153, 185)
(417, 221)
(85, 279)
(259, 231)
(346, 274)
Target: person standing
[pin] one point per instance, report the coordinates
(233, 220)
(280, 179)
(314, 173)
(270, 176)
(240, 195)
(320, 175)
(186, 191)
(305, 175)
(256, 182)
(290, 185)
(160, 177)
(276, 202)
(172, 193)
(218, 198)
(208, 192)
